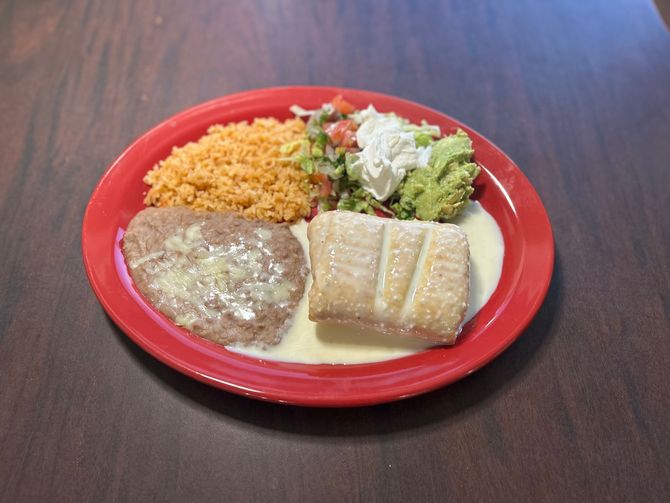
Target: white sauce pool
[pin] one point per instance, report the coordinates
(310, 342)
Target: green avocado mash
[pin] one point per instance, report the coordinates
(440, 191)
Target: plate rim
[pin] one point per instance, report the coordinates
(361, 398)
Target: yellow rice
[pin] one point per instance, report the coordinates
(237, 167)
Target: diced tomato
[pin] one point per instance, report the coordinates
(326, 187)
(319, 177)
(381, 213)
(348, 140)
(341, 105)
(342, 132)
(323, 180)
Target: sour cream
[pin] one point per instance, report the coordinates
(310, 342)
(388, 153)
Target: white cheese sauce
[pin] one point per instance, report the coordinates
(310, 342)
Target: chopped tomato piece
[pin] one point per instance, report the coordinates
(340, 130)
(341, 105)
(319, 177)
(348, 139)
(326, 187)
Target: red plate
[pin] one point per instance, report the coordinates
(501, 188)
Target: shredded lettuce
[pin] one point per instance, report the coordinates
(359, 201)
(292, 146)
(307, 164)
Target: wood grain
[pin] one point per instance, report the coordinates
(577, 410)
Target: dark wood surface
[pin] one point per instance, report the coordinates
(578, 409)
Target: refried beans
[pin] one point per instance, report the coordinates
(225, 278)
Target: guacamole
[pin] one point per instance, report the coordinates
(440, 191)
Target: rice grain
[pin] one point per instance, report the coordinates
(237, 167)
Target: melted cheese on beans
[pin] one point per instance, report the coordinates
(208, 276)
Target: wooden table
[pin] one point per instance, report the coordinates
(578, 409)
